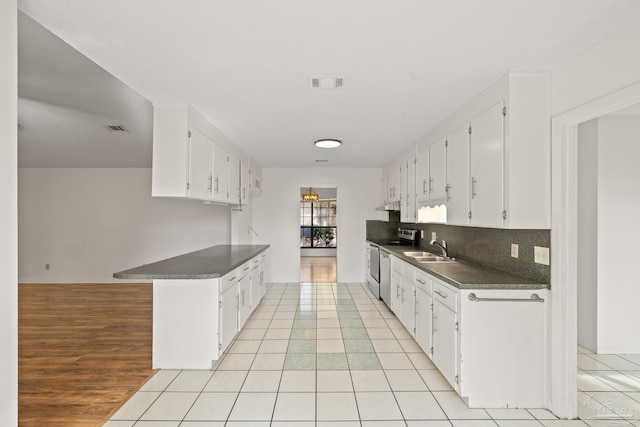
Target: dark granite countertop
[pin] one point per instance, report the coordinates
(209, 263)
(467, 275)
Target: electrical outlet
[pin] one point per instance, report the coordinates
(541, 255)
(434, 236)
(514, 250)
(422, 234)
(46, 266)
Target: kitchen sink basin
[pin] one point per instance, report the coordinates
(418, 254)
(432, 259)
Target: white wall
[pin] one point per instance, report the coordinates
(89, 223)
(277, 221)
(618, 234)
(587, 234)
(8, 213)
(608, 66)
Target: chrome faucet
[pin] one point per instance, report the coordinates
(443, 246)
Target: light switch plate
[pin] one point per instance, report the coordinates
(541, 255)
(434, 236)
(514, 250)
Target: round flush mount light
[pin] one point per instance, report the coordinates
(328, 143)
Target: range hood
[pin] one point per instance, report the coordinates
(389, 206)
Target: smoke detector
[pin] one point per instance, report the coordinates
(326, 82)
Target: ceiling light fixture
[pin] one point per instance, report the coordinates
(310, 196)
(328, 143)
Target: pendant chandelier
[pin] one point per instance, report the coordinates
(310, 196)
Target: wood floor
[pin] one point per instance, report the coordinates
(319, 269)
(83, 350)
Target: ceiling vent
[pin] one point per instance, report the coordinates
(326, 82)
(116, 128)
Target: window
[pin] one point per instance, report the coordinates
(318, 224)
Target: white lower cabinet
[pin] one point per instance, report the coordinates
(244, 294)
(396, 286)
(489, 344)
(408, 299)
(424, 312)
(228, 315)
(195, 320)
(445, 333)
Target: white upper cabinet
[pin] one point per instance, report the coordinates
(487, 147)
(408, 189)
(234, 188)
(502, 178)
(393, 182)
(192, 159)
(199, 180)
(438, 170)
(219, 180)
(422, 175)
(255, 178)
(458, 176)
(245, 183)
(431, 175)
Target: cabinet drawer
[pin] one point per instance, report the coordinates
(446, 295)
(423, 281)
(228, 280)
(243, 270)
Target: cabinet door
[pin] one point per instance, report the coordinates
(244, 299)
(228, 316)
(199, 180)
(245, 180)
(234, 191)
(257, 275)
(423, 320)
(487, 167)
(219, 190)
(408, 305)
(458, 176)
(396, 293)
(422, 175)
(445, 341)
(393, 183)
(438, 170)
(411, 190)
(408, 190)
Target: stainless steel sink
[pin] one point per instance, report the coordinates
(417, 254)
(427, 257)
(434, 258)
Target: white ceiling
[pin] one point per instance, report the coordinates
(245, 64)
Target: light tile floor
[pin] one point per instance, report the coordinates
(608, 388)
(328, 355)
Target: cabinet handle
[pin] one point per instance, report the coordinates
(446, 190)
(233, 278)
(210, 183)
(398, 291)
(216, 187)
(474, 181)
(430, 185)
(435, 326)
(424, 184)
(441, 294)
(402, 294)
(421, 281)
(244, 193)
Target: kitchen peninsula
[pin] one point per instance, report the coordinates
(200, 301)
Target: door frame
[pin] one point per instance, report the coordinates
(298, 249)
(563, 325)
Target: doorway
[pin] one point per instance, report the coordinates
(565, 266)
(318, 234)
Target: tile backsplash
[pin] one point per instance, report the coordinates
(486, 246)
